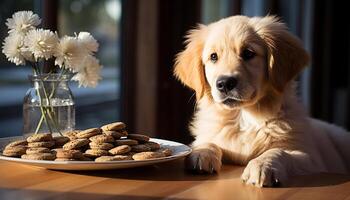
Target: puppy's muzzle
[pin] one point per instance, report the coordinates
(226, 84)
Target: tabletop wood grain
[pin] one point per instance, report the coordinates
(162, 181)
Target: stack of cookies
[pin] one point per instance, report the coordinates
(111, 142)
(35, 147)
(15, 149)
(39, 147)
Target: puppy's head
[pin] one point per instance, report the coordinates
(238, 60)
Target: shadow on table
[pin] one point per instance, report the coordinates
(174, 171)
(318, 180)
(43, 194)
(170, 171)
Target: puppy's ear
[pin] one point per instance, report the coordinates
(189, 68)
(286, 55)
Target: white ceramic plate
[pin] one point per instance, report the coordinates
(179, 151)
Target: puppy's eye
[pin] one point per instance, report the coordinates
(247, 54)
(214, 57)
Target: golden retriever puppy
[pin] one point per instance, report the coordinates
(242, 71)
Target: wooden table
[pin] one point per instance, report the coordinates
(163, 181)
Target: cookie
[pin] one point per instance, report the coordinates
(88, 133)
(116, 135)
(138, 137)
(102, 139)
(39, 156)
(17, 143)
(112, 158)
(153, 145)
(60, 140)
(95, 153)
(103, 146)
(104, 159)
(65, 159)
(166, 151)
(71, 154)
(124, 133)
(130, 154)
(46, 144)
(40, 137)
(75, 144)
(126, 142)
(120, 150)
(15, 151)
(140, 148)
(123, 157)
(116, 126)
(38, 150)
(147, 155)
(84, 158)
(72, 135)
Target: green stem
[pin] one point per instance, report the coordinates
(53, 118)
(39, 124)
(43, 112)
(37, 72)
(54, 86)
(54, 121)
(50, 109)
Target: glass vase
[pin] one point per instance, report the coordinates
(48, 105)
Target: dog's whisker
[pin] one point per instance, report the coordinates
(189, 100)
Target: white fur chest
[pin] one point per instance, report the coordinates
(234, 134)
(248, 122)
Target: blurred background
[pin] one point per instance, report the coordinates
(138, 41)
(94, 105)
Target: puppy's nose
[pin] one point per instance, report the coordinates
(226, 83)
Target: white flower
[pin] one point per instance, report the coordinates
(27, 54)
(89, 74)
(12, 48)
(88, 41)
(70, 54)
(42, 43)
(23, 21)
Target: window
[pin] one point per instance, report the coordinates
(13, 79)
(94, 106)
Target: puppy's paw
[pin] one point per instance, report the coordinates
(204, 160)
(264, 173)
